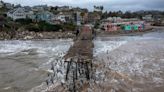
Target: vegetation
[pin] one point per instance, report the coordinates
(44, 26)
(69, 27)
(96, 25)
(24, 21)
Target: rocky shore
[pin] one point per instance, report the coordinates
(20, 34)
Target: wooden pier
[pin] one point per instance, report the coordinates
(79, 58)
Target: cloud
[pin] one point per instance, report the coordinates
(124, 5)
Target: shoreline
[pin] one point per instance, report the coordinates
(30, 35)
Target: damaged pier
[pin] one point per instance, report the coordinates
(79, 59)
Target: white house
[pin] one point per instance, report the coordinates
(18, 13)
(148, 17)
(60, 17)
(78, 18)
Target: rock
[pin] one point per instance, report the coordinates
(28, 37)
(40, 35)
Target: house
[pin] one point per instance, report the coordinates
(110, 27)
(60, 17)
(114, 19)
(30, 15)
(44, 16)
(63, 8)
(9, 6)
(18, 13)
(69, 16)
(127, 27)
(17, 6)
(148, 18)
(1, 4)
(39, 8)
(117, 23)
(78, 18)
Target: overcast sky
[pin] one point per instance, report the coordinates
(109, 5)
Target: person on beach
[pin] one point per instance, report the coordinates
(52, 80)
(47, 82)
(93, 33)
(52, 67)
(77, 32)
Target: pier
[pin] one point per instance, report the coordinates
(79, 58)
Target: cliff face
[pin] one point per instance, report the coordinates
(25, 35)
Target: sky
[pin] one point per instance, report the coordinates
(109, 5)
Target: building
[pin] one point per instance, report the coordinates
(1, 4)
(114, 19)
(148, 18)
(9, 6)
(117, 24)
(30, 15)
(60, 17)
(44, 16)
(18, 13)
(78, 18)
(40, 8)
(110, 27)
(63, 8)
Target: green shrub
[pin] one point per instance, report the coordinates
(32, 27)
(24, 21)
(43, 26)
(69, 26)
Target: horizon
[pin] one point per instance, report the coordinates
(109, 5)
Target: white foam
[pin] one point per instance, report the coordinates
(42, 47)
(6, 88)
(104, 46)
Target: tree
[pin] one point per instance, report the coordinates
(127, 14)
(101, 8)
(104, 15)
(82, 14)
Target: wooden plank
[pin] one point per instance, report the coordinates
(83, 46)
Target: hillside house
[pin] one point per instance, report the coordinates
(44, 16)
(40, 8)
(110, 27)
(148, 18)
(60, 17)
(18, 13)
(63, 8)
